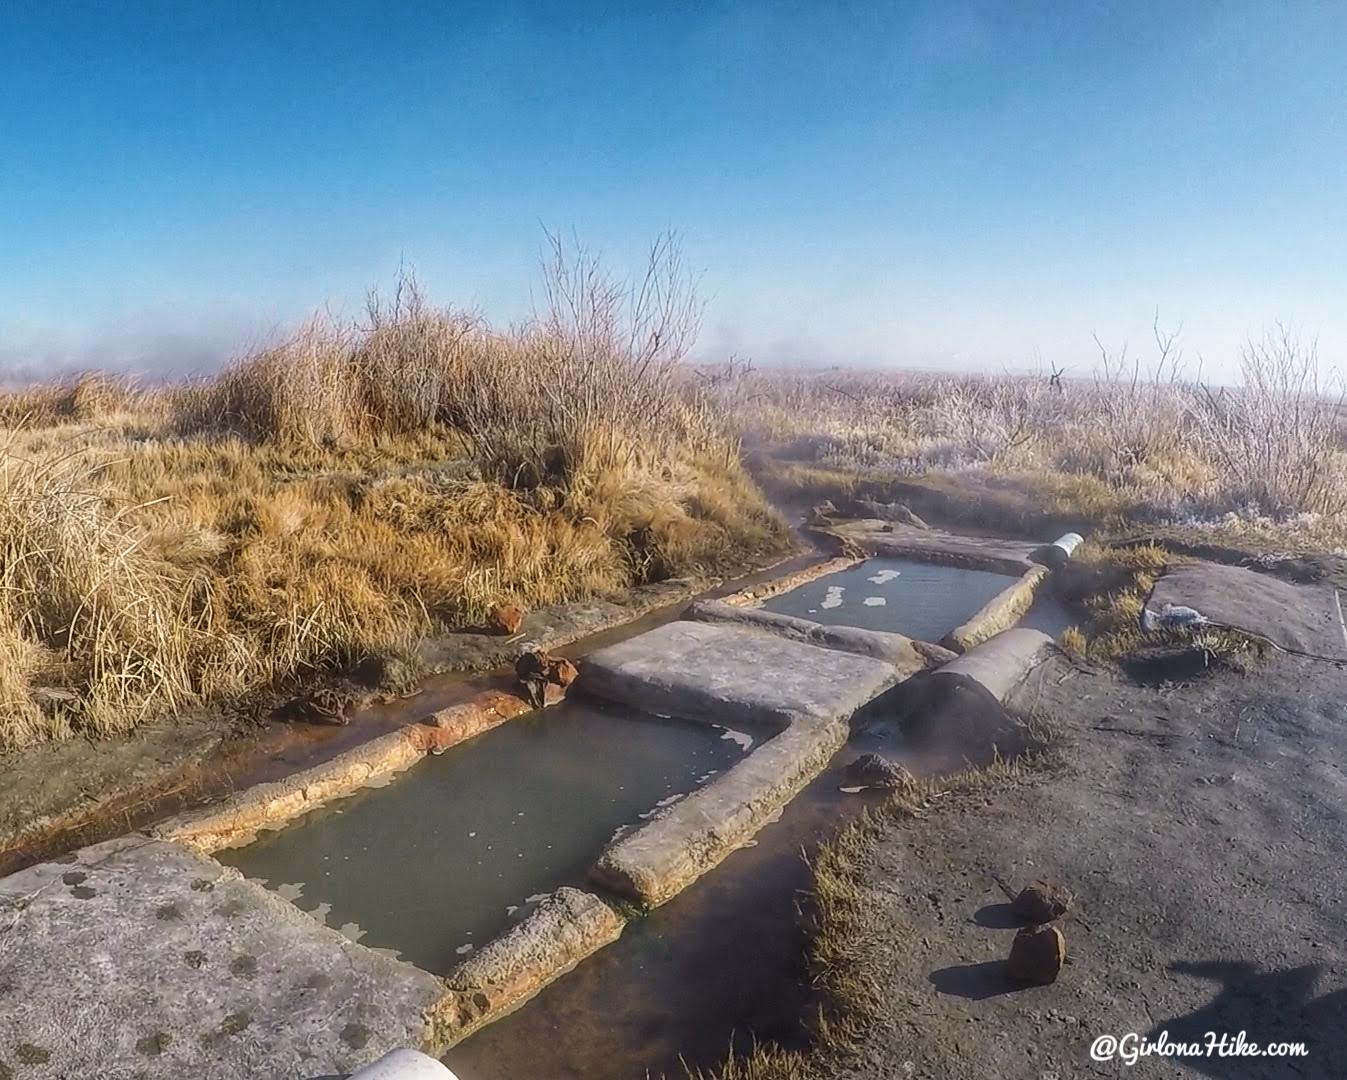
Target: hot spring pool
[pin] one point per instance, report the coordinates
(447, 855)
(920, 599)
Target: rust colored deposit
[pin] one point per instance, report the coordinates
(236, 820)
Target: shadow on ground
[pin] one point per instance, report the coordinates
(1268, 1006)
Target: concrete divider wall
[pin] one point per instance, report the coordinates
(756, 594)
(904, 653)
(236, 821)
(1000, 613)
(685, 840)
(566, 927)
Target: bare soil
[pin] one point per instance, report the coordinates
(1203, 829)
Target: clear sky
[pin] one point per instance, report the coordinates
(944, 184)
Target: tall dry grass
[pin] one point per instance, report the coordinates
(352, 490)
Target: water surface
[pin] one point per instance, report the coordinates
(920, 599)
(448, 854)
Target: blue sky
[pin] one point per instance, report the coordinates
(978, 186)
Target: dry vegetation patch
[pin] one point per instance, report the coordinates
(1266, 460)
(349, 491)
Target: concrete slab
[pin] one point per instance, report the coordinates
(934, 545)
(1303, 618)
(730, 675)
(140, 958)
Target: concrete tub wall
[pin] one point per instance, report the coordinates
(665, 856)
(236, 821)
(564, 929)
(1000, 613)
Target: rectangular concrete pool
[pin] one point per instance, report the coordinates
(454, 851)
(922, 600)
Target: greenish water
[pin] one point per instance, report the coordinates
(456, 849)
(920, 599)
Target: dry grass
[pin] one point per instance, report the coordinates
(345, 494)
(1267, 460)
(1111, 585)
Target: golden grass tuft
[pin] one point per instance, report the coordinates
(342, 495)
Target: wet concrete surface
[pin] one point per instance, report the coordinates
(449, 854)
(1049, 614)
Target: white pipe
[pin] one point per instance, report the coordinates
(1068, 543)
(403, 1065)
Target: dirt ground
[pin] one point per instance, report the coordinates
(1203, 828)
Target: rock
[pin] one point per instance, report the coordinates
(1042, 901)
(561, 672)
(892, 512)
(871, 770)
(851, 550)
(1036, 955)
(531, 671)
(505, 619)
(543, 677)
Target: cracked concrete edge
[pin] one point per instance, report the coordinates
(754, 595)
(1000, 613)
(565, 928)
(685, 840)
(237, 820)
(906, 654)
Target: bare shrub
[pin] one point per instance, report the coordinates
(1278, 436)
(1271, 450)
(593, 380)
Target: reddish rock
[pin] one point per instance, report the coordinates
(543, 678)
(1036, 955)
(1042, 901)
(561, 672)
(505, 619)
